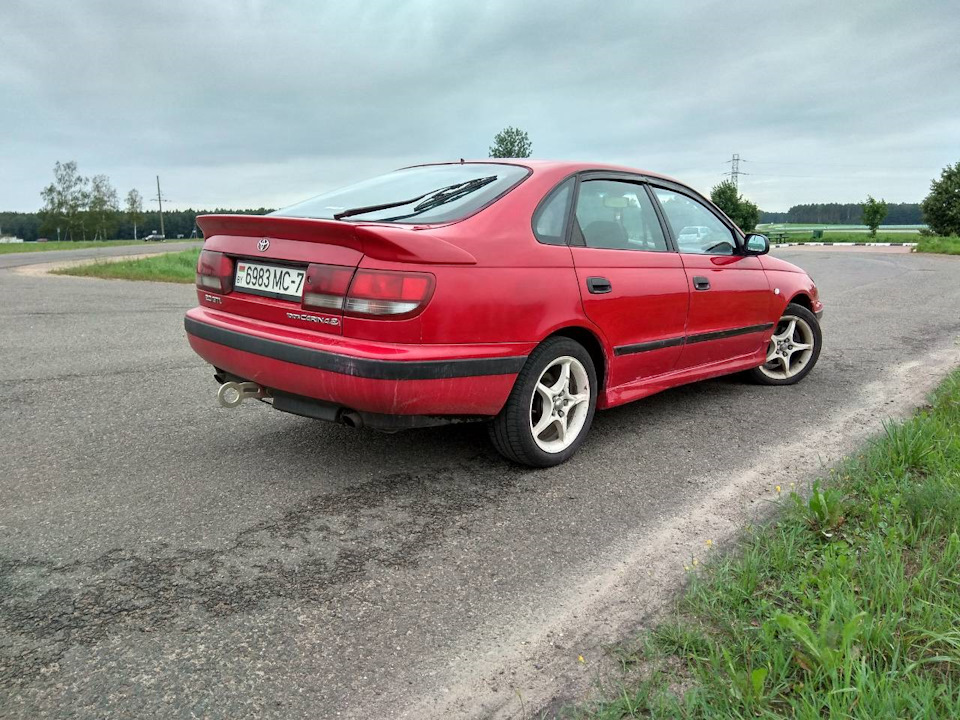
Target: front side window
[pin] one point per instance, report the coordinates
(618, 215)
(425, 194)
(696, 229)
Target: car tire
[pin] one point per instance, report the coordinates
(522, 432)
(794, 348)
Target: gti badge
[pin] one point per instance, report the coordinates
(263, 245)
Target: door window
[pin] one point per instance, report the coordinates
(696, 229)
(618, 216)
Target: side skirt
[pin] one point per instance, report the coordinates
(648, 386)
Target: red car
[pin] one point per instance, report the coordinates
(527, 294)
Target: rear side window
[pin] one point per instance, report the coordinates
(618, 215)
(425, 194)
(550, 218)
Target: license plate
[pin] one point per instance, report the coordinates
(269, 280)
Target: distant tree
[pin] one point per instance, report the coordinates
(874, 213)
(941, 208)
(103, 207)
(743, 212)
(134, 209)
(726, 197)
(749, 216)
(64, 200)
(511, 142)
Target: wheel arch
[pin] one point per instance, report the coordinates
(593, 345)
(803, 300)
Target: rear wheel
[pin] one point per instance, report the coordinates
(793, 350)
(551, 406)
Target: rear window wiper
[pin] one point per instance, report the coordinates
(433, 199)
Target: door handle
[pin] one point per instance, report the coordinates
(599, 285)
(700, 283)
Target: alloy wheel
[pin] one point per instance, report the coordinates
(791, 347)
(559, 404)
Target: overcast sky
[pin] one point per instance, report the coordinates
(248, 104)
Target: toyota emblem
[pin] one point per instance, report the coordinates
(263, 245)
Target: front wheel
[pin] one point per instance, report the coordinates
(793, 350)
(551, 406)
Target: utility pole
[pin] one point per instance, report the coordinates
(160, 203)
(735, 171)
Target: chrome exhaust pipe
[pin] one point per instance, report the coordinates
(231, 394)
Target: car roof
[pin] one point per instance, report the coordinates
(555, 165)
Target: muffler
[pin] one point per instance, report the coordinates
(231, 394)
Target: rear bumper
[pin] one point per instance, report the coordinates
(384, 378)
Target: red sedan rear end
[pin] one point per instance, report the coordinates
(528, 294)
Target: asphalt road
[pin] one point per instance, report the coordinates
(163, 557)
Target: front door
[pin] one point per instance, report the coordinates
(730, 297)
(632, 284)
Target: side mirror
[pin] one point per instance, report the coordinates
(756, 244)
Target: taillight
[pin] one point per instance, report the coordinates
(215, 272)
(386, 294)
(325, 286)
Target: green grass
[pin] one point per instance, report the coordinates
(175, 267)
(846, 605)
(80, 245)
(849, 237)
(943, 245)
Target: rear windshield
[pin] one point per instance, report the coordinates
(426, 194)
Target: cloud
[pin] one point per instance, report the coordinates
(254, 103)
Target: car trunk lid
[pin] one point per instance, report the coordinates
(316, 260)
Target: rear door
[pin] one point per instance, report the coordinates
(730, 298)
(632, 284)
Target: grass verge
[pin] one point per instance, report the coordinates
(942, 245)
(6, 248)
(846, 605)
(175, 267)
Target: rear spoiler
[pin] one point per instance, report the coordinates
(395, 244)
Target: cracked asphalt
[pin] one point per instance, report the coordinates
(163, 557)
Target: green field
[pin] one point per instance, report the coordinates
(174, 267)
(6, 248)
(847, 605)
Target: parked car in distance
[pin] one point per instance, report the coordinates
(520, 293)
(154, 236)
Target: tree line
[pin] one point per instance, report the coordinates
(844, 214)
(30, 226)
(89, 208)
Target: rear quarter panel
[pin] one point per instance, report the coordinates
(475, 304)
